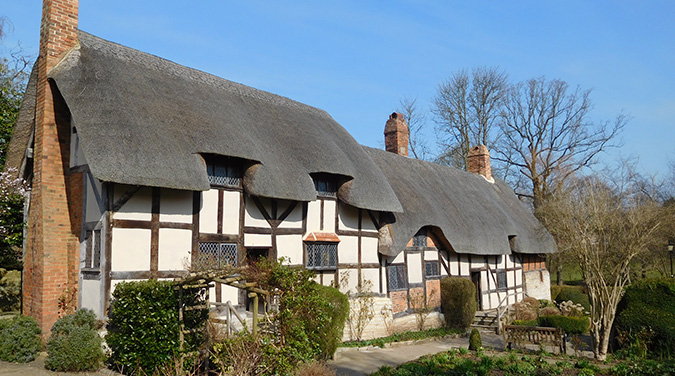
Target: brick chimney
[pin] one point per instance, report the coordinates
(51, 256)
(396, 134)
(479, 162)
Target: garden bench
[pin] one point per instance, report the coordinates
(520, 335)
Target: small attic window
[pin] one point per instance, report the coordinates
(420, 239)
(325, 186)
(224, 173)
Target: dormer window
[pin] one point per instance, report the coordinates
(420, 239)
(223, 174)
(325, 188)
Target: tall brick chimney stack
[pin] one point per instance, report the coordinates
(396, 134)
(479, 162)
(52, 247)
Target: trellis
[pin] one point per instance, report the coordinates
(203, 281)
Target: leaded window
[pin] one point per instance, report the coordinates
(215, 255)
(321, 256)
(397, 277)
(420, 239)
(325, 188)
(225, 175)
(432, 269)
(501, 279)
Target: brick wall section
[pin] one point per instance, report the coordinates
(51, 261)
(399, 301)
(434, 293)
(396, 135)
(479, 161)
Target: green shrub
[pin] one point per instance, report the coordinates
(10, 290)
(555, 290)
(329, 319)
(475, 342)
(526, 322)
(458, 302)
(74, 344)
(19, 339)
(575, 294)
(648, 306)
(571, 325)
(143, 326)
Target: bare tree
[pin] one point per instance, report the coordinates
(416, 120)
(466, 107)
(547, 135)
(604, 230)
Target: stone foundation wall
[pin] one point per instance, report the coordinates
(383, 324)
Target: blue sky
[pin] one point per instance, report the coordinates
(357, 59)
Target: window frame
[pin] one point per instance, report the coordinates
(393, 271)
(420, 238)
(426, 269)
(221, 259)
(502, 280)
(232, 176)
(309, 248)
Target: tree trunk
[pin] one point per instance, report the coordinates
(559, 274)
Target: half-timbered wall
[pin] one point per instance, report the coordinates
(499, 279)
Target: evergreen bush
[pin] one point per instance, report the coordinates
(143, 326)
(475, 341)
(74, 344)
(571, 325)
(329, 329)
(649, 306)
(19, 339)
(458, 302)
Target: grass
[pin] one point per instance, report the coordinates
(401, 337)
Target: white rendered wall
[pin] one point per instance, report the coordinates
(369, 254)
(175, 248)
(290, 247)
(138, 207)
(175, 206)
(208, 215)
(314, 216)
(348, 218)
(253, 216)
(537, 284)
(130, 249)
(348, 250)
(231, 201)
(415, 267)
(329, 215)
(294, 218)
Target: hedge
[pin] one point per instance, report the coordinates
(650, 305)
(576, 294)
(571, 325)
(458, 302)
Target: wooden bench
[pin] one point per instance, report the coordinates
(536, 335)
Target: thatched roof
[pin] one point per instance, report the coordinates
(474, 215)
(143, 120)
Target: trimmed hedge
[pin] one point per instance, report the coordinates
(571, 325)
(74, 344)
(458, 302)
(19, 339)
(576, 294)
(650, 305)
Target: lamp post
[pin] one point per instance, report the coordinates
(671, 253)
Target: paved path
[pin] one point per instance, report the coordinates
(363, 362)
